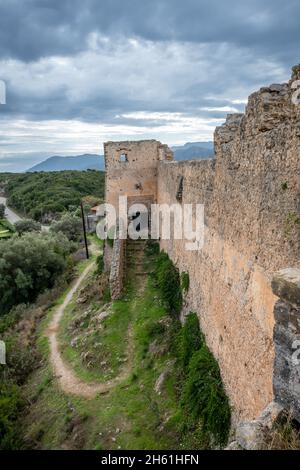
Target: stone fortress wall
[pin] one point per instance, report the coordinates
(251, 196)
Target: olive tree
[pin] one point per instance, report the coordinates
(69, 225)
(29, 265)
(27, 225)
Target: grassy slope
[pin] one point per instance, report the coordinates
(131, 416)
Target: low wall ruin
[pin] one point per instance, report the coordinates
(117, 268)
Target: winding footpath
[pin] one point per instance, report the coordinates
(68, 380)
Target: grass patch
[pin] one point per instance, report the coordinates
(285, 435)
(100, 353)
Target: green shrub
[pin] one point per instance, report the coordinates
(168, 281)
(27, 225)
(29, 265)
(152, 248)
(21, 361)
(69, 225)
(185, 282)
(153, 329)
(10, 406)
(12, 317)
(190, 339)
(204, 398)
(100, 264)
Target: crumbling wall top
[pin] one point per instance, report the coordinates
(266, 109)
(135, 154)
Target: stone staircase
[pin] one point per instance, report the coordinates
(135, 251)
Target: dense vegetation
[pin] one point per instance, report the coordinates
(168, 280)
(70, 225)
(32, 265)
(27, 225)
(18, 330)
(28, 265)
(203, 399)
(41, 196)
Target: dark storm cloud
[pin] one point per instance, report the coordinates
(138, 68)
(31, 29)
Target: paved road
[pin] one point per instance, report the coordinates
(11, 216)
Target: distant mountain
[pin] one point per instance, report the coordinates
(188, 151)
(194, 150)
(79, 162)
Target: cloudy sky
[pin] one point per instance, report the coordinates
(80, 72)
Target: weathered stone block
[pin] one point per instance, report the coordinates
(288, 316)
(286, 285)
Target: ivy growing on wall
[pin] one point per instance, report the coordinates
(168, 281)
(203, 399)
(185, 282)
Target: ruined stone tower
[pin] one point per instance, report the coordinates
(131, 170)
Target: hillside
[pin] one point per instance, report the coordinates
(78, 162)
(193, 150)
(42, 195)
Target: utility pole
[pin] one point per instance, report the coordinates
(84, 231)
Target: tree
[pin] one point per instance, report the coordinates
(90, 201)
(29, 265)
(2, 211)
(27, 225)
(69, 225)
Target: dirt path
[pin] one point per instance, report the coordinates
(67, 379)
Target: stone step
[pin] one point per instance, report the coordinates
(137, 243)
(134, 250)
(131, 265)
